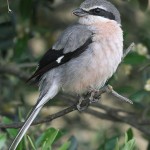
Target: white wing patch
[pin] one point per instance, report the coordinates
(59, 59)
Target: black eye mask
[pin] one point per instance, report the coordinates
(101, 12)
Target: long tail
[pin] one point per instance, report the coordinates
(24, 128)
(42, 100)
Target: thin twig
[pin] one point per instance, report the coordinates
(15, 71)
(27, 65)
(101, 106)
(9, 10)
(109, 90)
(126, 52)
(47, 119)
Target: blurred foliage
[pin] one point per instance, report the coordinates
(45, 141)
(51, 139)
(30, 29)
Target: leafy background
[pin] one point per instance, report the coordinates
(26, 33)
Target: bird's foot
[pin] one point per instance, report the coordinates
(95, 96)
(80, 106)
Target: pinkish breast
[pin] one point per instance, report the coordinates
(100, 60)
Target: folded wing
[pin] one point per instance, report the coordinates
(72, 43)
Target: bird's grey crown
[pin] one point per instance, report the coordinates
(87, 4)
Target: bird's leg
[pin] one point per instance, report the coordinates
(94, 95)
(80, 106)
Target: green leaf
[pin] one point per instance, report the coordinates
(134, 59)
(128, 135)
(117, 145)
(109, 144)
(31, 142)
(138, 96)
(2, 140)
(129, 140)
(130, 145)
(47, 138)
(21, 145)
(65, 146)
(12, 132)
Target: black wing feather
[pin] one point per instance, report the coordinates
(49, 62)
(49, 57)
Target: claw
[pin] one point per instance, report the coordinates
(94, 100)
(94, 97)
(79, 105)
(81, 108)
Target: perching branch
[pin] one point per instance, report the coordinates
(68, 110)
(111, 114)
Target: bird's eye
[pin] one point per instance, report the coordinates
(97, 10)
(101, 12)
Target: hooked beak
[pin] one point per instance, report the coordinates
(79, 12)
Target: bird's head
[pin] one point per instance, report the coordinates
(91, 11)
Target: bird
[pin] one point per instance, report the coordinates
(83, 58)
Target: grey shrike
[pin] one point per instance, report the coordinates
(84, 57)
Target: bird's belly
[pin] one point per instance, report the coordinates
(91, 70)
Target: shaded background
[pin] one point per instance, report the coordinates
(32, 28)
